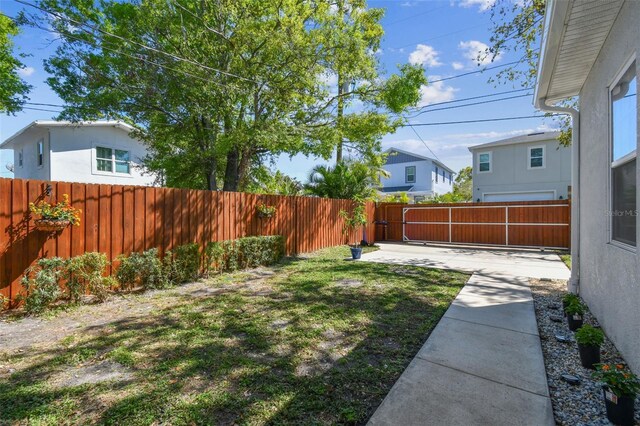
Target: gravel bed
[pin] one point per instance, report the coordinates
(581, 404)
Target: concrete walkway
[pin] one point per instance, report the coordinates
(483, 363)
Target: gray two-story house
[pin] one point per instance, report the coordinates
(522, 168)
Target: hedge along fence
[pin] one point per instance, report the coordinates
(118, 220)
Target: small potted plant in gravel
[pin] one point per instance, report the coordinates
(589, 340)
(620, 388)
(55, 217)
(574, 311)
(568, 299)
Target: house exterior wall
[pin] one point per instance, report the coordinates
(27, 144)
(609, 274)
(441, 186)
(73, 155)
(510, 172)
(397, 172)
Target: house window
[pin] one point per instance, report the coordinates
(20, 159)
(40, 152)
(443, 173)
(624, 137)
(449, 178)
(112, 160)
(484, 162)
(436, 174)
(536, 157)
(410, 174)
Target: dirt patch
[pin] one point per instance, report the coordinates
(349, 283)
(332, 348)
(93, 373)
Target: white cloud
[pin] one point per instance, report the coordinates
(436, 92)
(484, 5)
(409, 4)
(475, 51)
(26, 71)
(425, 55)
(457, 65)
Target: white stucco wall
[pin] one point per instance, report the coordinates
(609, 275)
(510, 173)
(69, 155)
(425, 177)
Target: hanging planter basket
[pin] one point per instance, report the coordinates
(265, 215)
(49, 225)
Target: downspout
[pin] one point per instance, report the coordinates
(574, 281)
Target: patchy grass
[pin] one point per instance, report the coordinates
(566, 258)
(317, 340)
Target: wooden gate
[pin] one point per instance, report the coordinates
(516, 224)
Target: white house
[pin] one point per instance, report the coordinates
(522, 168)
(420, 177)
(591, 50)
(87, 152)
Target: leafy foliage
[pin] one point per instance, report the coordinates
(62, 210)
(42, 284)
(144, 270)
(248, 252)
(346, 180)
(265, 210)
(396, 198)
(354, 220)
(619, 379)
(575, 308)
(85, 274)
(278, 183)
(183, 264)
(13, 90)
(589, 336)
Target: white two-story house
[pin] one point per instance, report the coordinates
(522, 168)
(418, 176)
(87, 152)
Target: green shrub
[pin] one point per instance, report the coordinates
(85, 274)
(248, 252)
(575, 308)
(42, 284)
(183, 264)
(142, 269)
(569, 298)
(589, 336)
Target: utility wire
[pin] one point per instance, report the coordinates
(144, 46)
(442, 123)
(488, 95)
(473, 72)
(424, 143)
(439, 36)
(468, 105)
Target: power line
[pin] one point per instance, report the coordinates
(473, 72)
(424, 143)
(471, 104)
(488, 95)
(439, 36)
(144, 46)
(442, 123)
(414, 16)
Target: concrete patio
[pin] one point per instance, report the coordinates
(483, 362)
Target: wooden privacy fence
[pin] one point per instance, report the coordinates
(119, 220)
(527, 224)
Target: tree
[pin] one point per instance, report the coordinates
(349, 180)
(215, 87)
(278, 183)
(13, 90)
(518, 27)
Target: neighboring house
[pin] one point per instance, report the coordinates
(591, 50)
(420, 177)
(523, 168)
(87, 152)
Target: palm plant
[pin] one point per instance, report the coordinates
(347, 180)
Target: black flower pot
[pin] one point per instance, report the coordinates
(619, 408)
(356, 252)
(589, 355)
(574, 321)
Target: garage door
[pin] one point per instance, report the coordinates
(520, 196)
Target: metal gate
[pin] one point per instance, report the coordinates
(513, 224)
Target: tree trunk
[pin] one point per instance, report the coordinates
(343, 87)
(231, 172)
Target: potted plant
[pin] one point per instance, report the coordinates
(266, 211)
(353, 221)
(574, 311)
(55, 217)
(589, 340)
(568, 298)
(620, 388)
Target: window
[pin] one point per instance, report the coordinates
(624, 139)
(436, 174)
(449, 178)
(536, 157)
(40, 153)
(112, 160)
(484, 162)
(443, 173)
(20, 159)
(410, 174)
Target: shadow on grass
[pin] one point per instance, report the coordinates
(308, 352)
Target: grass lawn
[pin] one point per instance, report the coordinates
(566, 258)
(317, 340)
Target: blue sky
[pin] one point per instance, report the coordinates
(442, 35)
